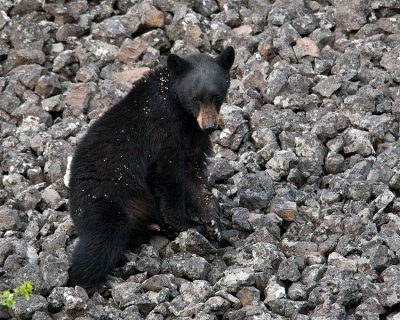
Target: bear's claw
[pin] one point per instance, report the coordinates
(213, 230)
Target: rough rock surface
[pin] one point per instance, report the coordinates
(307, 157)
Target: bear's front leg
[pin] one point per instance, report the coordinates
(167, 184)
(202, 206)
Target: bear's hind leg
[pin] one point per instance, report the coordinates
(97, 253)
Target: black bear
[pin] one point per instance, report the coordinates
(140, 167)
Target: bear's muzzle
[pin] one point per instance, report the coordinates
(208, 118)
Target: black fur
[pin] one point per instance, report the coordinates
(142, 164)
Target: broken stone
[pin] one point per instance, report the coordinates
(306, 47)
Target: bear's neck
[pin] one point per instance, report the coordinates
(167, 86)
(162, 85)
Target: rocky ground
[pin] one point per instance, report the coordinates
(307, 158)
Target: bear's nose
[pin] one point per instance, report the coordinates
(210, 127)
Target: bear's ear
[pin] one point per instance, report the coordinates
(176, 64)
(226, 58)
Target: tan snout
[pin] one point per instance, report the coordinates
(208, 118)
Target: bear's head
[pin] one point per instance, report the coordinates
(201, 82)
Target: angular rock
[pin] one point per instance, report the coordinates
(281, 163)
(9, 219)
(326, 87)
(289, 271)
(25, 309)
(54, 270)
(193, 242)
(196, 291)
(79, 96)
(126, 293)
(115, 29)
(285, 209)
(249, 296)
(187, 265)
(234, 126)
(273, 291)
(255, 190)
(157, 282)
(131, 50)
(235, 278)
(306, 47)
(390, 25)
(357, 141)
(351, 15)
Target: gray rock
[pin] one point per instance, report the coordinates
(312, 275)
(377, 256)
(255, 190)
(377, 4)
(54, 270)
(51, 197)
(370, 308)
(265, 140)
(28, 75)
(288, 270)
(351, 15)
(9, 219)
(26, 35)
(156, 39)
(347, 65)
(63, 59)
(196, 291)
(4, 18)
(219, 170)
(24, 309)
(297, 291)
(389, 294)
(278, 16)
(148, 260)
(285, 209)
(115, 29)
(69, 30)
(234, 126)
(75, 298)
(276, 81)
(235, 278)
(48, 86)
(327, 86)
(281, 163)
(56, 298)
(193, 242)
(125, 294)
(249, 296)
(357, 141)
(217, 305)
(288, 308)
(274, 291)
(305, 24)
(309, 146)
(56, 153)
(101, 50)
(330, 311)
(158, 282)
(41, 315)
(187, 265)
(390, 25)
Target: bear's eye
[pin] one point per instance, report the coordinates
(217, 97)
(196, 99)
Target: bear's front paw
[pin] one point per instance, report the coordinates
(169, 231)
(213, 229)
